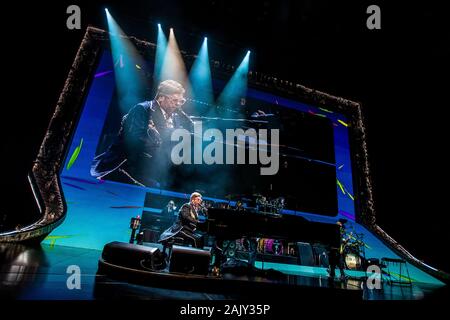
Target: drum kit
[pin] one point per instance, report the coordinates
(354, 251)
(273, 206)
(254, 202)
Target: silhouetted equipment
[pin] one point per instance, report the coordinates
(134, 225)
(153, 224)
(234, 224)
(156, 221)
(227, 224)
(133, 256)
(149, 235)
(321, 255)
(306, 254)
(189, 260)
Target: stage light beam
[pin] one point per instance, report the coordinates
(161, 48)
(236, 88)
(130, 81)
(173, 66)
(200, 76)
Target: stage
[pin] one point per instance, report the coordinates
(40, 273)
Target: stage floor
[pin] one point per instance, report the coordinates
(41, 273)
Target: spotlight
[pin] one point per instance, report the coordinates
(200, 75)
(173, 65)
(236, 88)
(161, 47)
(129, 81)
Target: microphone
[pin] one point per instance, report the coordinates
(204, 209)
(181, 112)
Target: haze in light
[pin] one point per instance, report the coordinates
(200, 76)
(173, 66)
(161, 47)
(236, 88)
(128, 67)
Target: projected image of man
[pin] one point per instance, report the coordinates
(140, 154)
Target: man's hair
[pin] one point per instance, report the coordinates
(169, 87)
(195, 194)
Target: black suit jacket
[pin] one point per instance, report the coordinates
(187, 220)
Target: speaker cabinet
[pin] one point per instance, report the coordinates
(306, 254)
(150, 235)
(321, 255)
(133, 256)
(189, 260)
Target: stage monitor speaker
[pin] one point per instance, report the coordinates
(189, 260)
(321, 255)
(133, 256)
(156, 221)
(150, 235)
(306, 254)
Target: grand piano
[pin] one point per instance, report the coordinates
(227, 224)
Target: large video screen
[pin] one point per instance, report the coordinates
(126, 159)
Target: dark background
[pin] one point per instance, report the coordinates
(398, 73)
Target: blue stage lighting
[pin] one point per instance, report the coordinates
(161, 47)
(130, 80)
(200, 76)
(236, 88)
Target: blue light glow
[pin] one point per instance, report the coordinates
(236, 88)
(161, 47)
(129, 79)
(200, 76)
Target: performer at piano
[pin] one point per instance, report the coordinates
(140, 153)
(186, 224)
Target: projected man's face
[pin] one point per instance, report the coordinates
(197, 201)
(172, 102)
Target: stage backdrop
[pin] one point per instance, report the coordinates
(314, 176)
